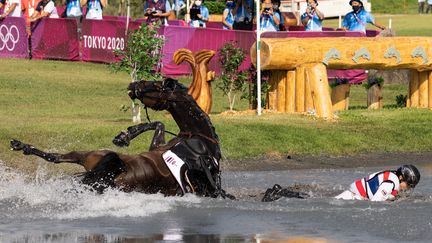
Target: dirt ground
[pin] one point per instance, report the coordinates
(321, 162)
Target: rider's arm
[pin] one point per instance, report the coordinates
(384, 193)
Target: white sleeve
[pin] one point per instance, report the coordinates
(384, 192)
(49, 8)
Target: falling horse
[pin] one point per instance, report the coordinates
(189, 163)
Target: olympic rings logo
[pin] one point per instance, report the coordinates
(9, 37)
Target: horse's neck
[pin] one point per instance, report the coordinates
(191, 119)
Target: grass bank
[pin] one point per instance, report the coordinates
(63, 106)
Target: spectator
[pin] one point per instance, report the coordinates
(28, 7)
(358, 18)
(276, 5)
(421, 4)
(45, 8)
(73, 9)
(94, 8)
(157, 10)
(429, 6)
(243, 14)
(178, 5)
(2, 3)
(269, 20)
(199, 14)
(12, 9)
(228, 17)
(312, 18)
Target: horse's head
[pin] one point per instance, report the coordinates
(157, 94)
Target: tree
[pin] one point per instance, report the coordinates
(231, 57)
(141, 58)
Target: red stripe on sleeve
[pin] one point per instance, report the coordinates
(361, 189)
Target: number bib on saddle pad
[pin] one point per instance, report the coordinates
(177, 167)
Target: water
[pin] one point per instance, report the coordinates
(59, 209)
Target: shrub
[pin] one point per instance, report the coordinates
(339, 81)
(215, 7)
(230, 58)
(401, 100)
(372, 80)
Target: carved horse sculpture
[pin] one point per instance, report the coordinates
(187, 163)
(200, 88)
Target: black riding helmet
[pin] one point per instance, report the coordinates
(359, 1)
(410, 174)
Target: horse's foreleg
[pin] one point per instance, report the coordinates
(124, 138)
(159, 136)
(50, 157)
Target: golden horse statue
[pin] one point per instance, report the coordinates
(200, 88)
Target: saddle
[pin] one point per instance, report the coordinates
(194, 168)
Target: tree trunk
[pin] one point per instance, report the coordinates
(136, 113)
(374, 100)
(340, 97)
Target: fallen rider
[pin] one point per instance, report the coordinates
(383, 185)
(380, 186)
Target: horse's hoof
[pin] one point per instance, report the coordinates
(16, 145)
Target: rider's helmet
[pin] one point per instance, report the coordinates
(410, 174)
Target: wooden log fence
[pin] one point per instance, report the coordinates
(299, 80)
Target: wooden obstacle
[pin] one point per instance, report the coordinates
(299, 68)
(200, 89)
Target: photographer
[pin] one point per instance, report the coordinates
(199, 14)
(312, 18)
(358, 18)
(269, 19)
(157, 10)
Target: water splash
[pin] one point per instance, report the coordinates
(63, 197)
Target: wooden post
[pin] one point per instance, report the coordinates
(300, 89)
(317, 75)
(272, 94)
(430, 90)
(340, 97)
(413, 90)
(374, 97)
(423, 90)
(281, 94)
(290, 92)
(308, 96)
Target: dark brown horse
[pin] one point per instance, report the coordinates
(187, 163)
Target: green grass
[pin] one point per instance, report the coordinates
(395, 6)
(63, 106)
(403, 24)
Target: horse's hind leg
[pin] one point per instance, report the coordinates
(86, 159)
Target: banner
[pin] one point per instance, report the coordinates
(55, 39)
(196, 39)
(13, 38)
(100, 38)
